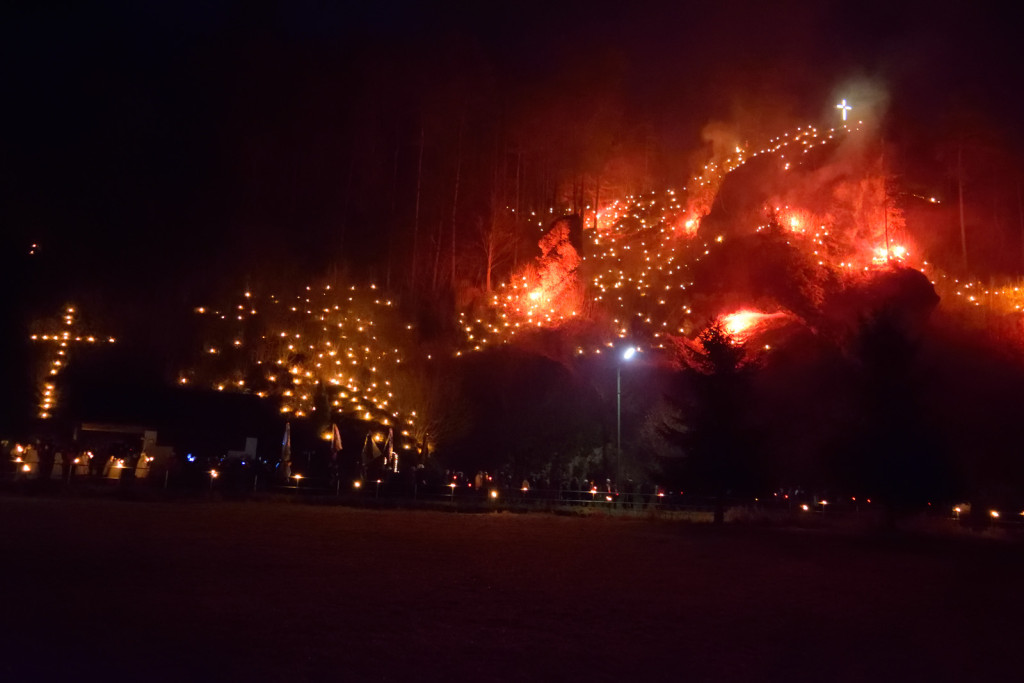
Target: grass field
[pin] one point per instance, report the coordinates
(108, 590)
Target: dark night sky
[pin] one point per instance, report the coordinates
(155, 149)
(124, 121)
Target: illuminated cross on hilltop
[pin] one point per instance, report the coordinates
(844, 107)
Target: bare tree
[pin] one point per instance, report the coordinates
(493, 246)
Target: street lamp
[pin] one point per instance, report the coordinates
(627, 355)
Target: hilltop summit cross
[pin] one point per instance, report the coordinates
(844, 107)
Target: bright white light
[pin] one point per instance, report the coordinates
(844, 107)
(629, 353)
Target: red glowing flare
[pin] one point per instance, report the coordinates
(746, 322)
(686, 225)
(741, 322)
(895, 252)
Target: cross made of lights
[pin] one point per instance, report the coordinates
(844, 107)
(60, 342)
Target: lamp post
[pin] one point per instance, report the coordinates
(627, 355)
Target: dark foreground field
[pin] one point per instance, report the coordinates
(104, 590)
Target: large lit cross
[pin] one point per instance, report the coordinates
(844, 107)
(60, 342)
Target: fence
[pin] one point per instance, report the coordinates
(457, 496)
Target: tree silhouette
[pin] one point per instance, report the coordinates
(892, 450)
(714, 429)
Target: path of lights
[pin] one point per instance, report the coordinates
(343, 345)
(634, 281)
(636, 271)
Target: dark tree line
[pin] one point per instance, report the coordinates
(908, 411)
(421, 166)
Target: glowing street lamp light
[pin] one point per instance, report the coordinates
(213, 475)
(627, 355)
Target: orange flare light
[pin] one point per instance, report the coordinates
(745, 321)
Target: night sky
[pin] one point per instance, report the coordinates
(163, 153)
(187, 129)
